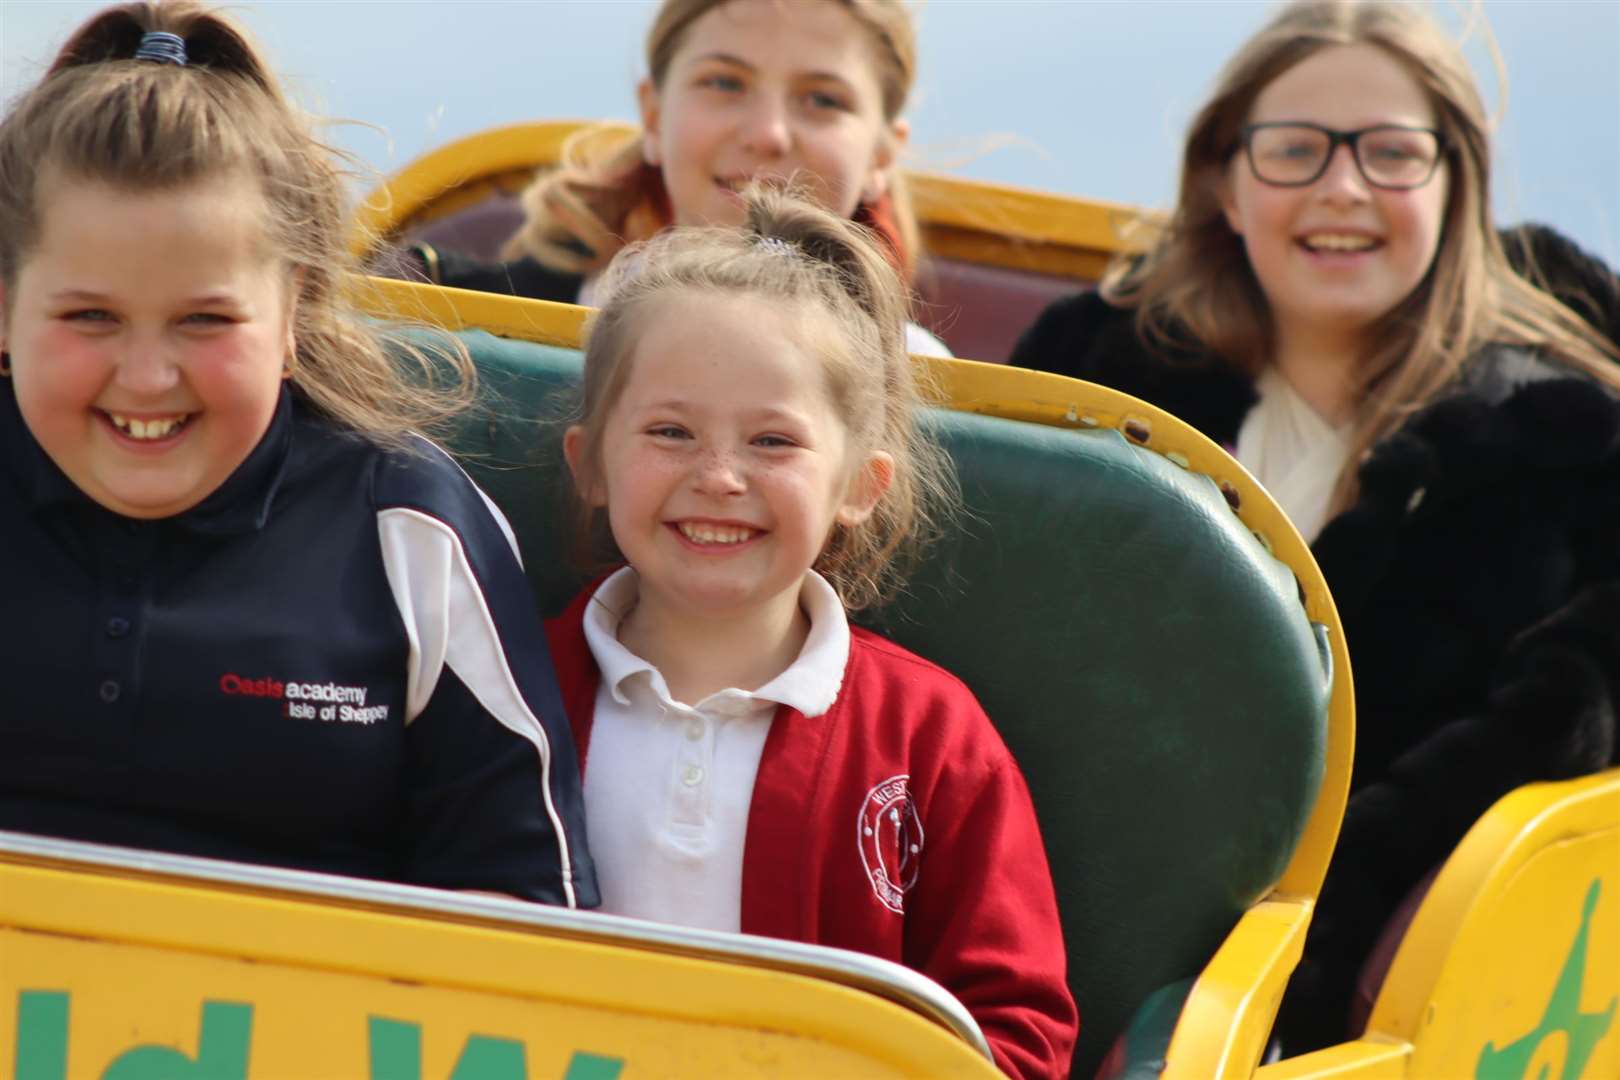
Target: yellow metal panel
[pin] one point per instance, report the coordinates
(1227, 1019)
(1363, 1060)
(414, 194)
(464, 309)
(1512, 966)
(106, 964)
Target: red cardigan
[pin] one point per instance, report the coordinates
(905, 759)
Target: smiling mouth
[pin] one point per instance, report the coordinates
(720, 535)
(1337, 242)
(148, 429)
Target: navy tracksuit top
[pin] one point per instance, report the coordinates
(332, 663)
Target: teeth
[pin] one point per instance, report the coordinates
(715, 534)
(1338, 242)
(137, 428)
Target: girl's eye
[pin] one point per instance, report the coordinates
(667, 431)
(722, 82)
(823, 99)
(89, 315)
(773, 441)
(207, 318)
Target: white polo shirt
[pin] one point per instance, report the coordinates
(668, 786)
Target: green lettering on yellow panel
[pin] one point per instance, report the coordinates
(42, 1035)
(396, 1054)
(222, 1050)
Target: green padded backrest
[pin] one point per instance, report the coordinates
(1147, 661)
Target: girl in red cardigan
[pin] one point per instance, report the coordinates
(754, 763)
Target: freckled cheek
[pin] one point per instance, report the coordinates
(791, 490)
(641, 484)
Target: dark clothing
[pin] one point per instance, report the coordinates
(1478, 579)
(1582, 282)
(331, 663)
(516, 277)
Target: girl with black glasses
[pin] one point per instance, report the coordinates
(1330, 300)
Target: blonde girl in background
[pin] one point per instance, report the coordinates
(747, 447)
(738, 91)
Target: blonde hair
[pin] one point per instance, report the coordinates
(101, 116)
(796, 256)
(1197, 289)
(603, 195)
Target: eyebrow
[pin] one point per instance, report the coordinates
(79, 294)
(737, 61)
(89, 296)
(688, 405)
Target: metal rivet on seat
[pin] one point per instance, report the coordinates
(1416, 500)
(109, 691)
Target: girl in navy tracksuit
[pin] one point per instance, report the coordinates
(253, 616)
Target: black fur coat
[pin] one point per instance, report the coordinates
(1478, 579)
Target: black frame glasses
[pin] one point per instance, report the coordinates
(1335, 138)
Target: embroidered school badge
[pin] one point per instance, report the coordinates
(890, 837)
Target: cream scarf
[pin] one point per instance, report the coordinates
(1294, 453)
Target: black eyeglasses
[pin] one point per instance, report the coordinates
(1296, 153)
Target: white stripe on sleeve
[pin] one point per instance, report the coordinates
(449, 624)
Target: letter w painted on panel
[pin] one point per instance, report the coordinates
(396, 1054)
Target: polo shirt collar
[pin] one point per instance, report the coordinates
(241, 504)
(810, 684)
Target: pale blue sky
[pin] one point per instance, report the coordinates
(1082, 96)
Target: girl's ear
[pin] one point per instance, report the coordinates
(647, 96)
(883, 161)
(866, 489)
(1223, 192)
(574, 453)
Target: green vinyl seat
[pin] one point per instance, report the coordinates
(1143, 654)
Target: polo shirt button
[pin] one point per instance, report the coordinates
(694, 730)
(692, 777)
(117, 626)
(110, 691)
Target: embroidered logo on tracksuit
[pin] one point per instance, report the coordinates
(890, 837)
(329, 702)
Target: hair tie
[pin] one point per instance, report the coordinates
(162, 47)
(776, 246)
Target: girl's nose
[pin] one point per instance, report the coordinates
(1342, 179)
(147, 367)
(765, 129)
(720, 473)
